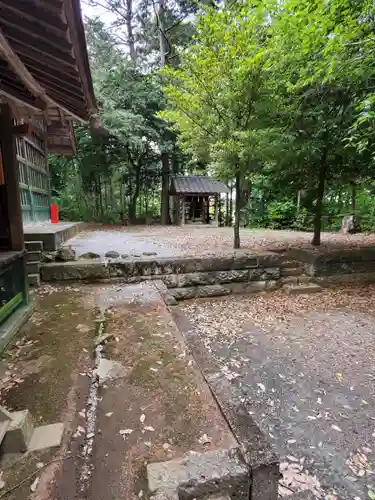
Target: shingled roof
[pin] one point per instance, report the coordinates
(197, 184)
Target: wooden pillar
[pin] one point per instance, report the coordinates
(217, 210)
(182, 220)
(10, 168)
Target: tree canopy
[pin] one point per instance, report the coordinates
(275, 98)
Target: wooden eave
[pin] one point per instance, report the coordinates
(44, 67)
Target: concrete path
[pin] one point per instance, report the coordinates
(304, 367)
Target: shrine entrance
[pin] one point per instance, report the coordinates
(196, 199)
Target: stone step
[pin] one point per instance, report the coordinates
(34, 256)
(33, 279)
(201, 476)
(292, 271)
(33, 267)
(34, 246)
(303, 288)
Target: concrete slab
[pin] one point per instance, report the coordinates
(46, 436)
(52, 235)
(19, 433)
(199, 474)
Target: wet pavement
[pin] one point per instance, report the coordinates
(304, 368)
(170, 241)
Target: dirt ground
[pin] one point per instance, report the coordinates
(304, 366)
(157, 408)
(198, 240)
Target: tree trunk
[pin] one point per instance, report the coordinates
(237, 211)
(353, 197)
(135, 196)
(319, 202)
(230, 217)
(162, 38)
(298, 202)
(129, 29)
(164, 209)
(227, 210)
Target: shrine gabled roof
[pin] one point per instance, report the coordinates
(197, 184)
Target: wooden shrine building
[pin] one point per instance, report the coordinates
(45, 83)
(195, 199)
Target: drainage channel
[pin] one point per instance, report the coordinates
(91, 413)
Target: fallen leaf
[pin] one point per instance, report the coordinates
(109, 414)
(34, 485)
(204, 439)
(149, 428)
(125, 432)
(336, 428)
(142, 418)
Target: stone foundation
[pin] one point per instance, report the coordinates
(186, 277)
(327, 267)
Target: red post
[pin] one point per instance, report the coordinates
(54, 213)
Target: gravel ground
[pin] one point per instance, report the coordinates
(304, 366)
(199, 240)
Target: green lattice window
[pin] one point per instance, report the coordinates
(33, 178)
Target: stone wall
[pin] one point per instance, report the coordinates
(187, 277)
(338, 265)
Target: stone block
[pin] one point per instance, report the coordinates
(245, 261)
(291, 271)
(265, 482)
(306, 288)
(65, 254)
(238, 275)
(34, 246)
(19, 433)
(272, 285)
(183, 293)
(211, 291)
(194, 279)
(33, 267)
(61, 271)
(46, 436)
(33, 279)
(200, 474)
(270, 273)
(170, 280)
(120, 269)
(269, 260)
(34, 256)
